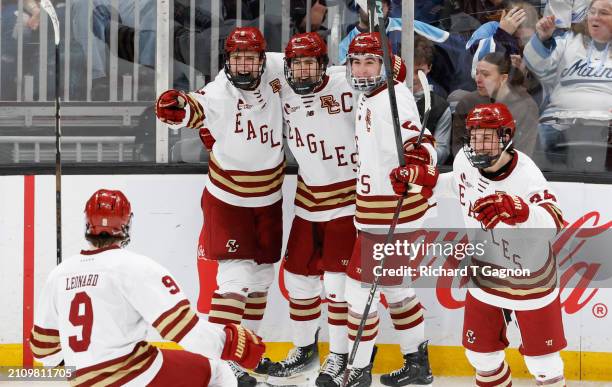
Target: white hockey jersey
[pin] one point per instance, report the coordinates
(94, 312)
(578, 77)
(523, 246)
(320, 133)
(246, 165)
(376, 201)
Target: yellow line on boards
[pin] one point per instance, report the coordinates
(445, 360)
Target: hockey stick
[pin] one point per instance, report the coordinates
(48, 7)
(427, 96)
(402, 163)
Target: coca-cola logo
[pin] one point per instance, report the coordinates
(577, 272)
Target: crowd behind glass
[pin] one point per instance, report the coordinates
(549, 61)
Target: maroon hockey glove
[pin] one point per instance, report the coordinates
(242, 346)
(170, 107)
(207, 138)
(414, 179)
(492, 209)
(417, 156)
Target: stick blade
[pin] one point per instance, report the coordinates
(48, 7)
(426, 89)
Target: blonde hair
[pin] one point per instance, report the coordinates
(583, 28)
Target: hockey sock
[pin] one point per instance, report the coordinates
(226, 308)
(337, 314)
(407, 318)
(366, 345)
(254, 310)
(304, 316)
(498, 377)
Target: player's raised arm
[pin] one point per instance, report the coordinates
(179, 109)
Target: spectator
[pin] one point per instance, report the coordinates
(509, 36)
(498, 80)
(566, 12)
(393, 28)
(485, 10)
(29, 27)
(451, 62)
(576, 68)
(318, 12)
(101, 12)
(439, 121)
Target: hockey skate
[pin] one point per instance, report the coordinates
(263, 366)
(334, 365)
(416, 370)
(243, 377)
(300, 362)
(357, 377)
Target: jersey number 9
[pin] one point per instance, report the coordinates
(82, 317)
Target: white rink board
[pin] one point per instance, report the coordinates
(167, 223)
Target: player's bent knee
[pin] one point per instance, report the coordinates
(545, 368)
(263, 278)
(399, 295)
(302, 287)
(485, 361)
(356, 294)
(334, 286)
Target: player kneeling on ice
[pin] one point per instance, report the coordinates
(96, 307)
(376, 203)
(503, 194)
(318, 110)
(239, 118)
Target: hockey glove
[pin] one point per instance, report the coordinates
(242, 346)
(170, 107)
(414, 179)
(417, 156)
(492, 209)
(399, 69)
(207, 138)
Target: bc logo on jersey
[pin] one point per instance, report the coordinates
(471, 337)
(232, 246)
(329, 102)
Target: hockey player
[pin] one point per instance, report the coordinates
(239, 116)
(96, 307)
(501, 190)
(318, 110)
(376, 204)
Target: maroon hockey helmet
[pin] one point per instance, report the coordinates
(245, 39)
(240, 40)
(497, 117)
(305, 45)
(110, 212)
(367, 44)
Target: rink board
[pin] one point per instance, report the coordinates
(166, 226)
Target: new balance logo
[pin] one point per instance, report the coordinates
(232, 246)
